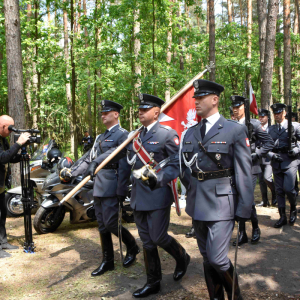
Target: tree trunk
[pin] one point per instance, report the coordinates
(169, 54)
(75, 128)
(212, 50)
(298, 10)
(229, 9)
(249, 34)
(287, 50)
(68, 86)
(78, 16)
(137, 65)
(280, 69)
(88, 90)
(266, 87)
(14, 71)
(207, 16)
(181, 62)
(241, 11)
(28, 74)
(262, 24)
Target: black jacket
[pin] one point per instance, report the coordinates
(7, 155)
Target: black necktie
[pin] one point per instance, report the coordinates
(144, 131)
(203, 128)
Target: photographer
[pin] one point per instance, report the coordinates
(7, 155)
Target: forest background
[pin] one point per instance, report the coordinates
(77, 52)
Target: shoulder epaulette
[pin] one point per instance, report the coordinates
(234, 121)
(122, 129)
(166, 127)
(131, 133)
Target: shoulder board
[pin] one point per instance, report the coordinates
(98, 136)
(234, 121)
(122, 129)
(166, 127)
(131, 133)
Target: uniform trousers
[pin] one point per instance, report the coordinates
(3, 237)
(253, 210)
(285, 184)
(106, 210)
(213, 239)
(153, 227)
(265, 175)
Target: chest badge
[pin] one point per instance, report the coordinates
(218, 156)
(218, 142)
(153, 143)
(108, 140)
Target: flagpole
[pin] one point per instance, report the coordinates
(135, 133)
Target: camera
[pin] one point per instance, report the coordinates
(34, 138)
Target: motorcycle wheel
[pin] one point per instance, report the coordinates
(14, 206)
(44, 222)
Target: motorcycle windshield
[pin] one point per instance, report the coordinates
(41, 152)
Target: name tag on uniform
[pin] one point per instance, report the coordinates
(108, 140)
(188, 142)
(153, 143)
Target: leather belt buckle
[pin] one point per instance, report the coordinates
(200, 176)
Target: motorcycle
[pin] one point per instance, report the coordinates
(40, 168)
(81, 205)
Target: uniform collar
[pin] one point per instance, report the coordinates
(242, 121)
(213, 118)
(112, 127)
(151, 125)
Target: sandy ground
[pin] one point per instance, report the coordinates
(61, 266)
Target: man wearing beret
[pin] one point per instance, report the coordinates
(266, 175)
(217, 153)
(284, 163)
(110, 187)
(262, 139)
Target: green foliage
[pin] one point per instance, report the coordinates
(114, 60)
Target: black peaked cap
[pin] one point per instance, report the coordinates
(108, 105)
(149, 101)
(206, 87)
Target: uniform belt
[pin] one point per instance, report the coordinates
(112, 166)
(213, 175)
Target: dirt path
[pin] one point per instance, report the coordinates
(61, 267)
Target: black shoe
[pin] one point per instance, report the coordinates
(283, 220)
(243, 239)
(227, 280)
(265, 202)
(107, 263)
(131, 256)
(8, 246)
(132, 248)
(255, 235)
(191, 233)
(293, 215)
(147, 289)
(213, 282)
(4, 254)
(181, 257)
(153, 270)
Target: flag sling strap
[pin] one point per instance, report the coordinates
(147, 159)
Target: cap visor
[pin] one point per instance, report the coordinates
(146, 106)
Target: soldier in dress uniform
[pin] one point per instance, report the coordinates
(284, 163)
(265, 177)
(110, 187)
(231, 114)
(217, 153)
(151, 200)
(262, 139)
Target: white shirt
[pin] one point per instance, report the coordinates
(242, 121)
(211, 121)
(151, 125)
(109, 129)
(265, 127)
(282, 123)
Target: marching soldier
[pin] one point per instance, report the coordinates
(232, 114)
(217, 153)
(265, 177)
(151, 199)
(110, 187)
(266, 144)
(284, 163)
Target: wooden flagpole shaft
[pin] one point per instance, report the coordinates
(126, 142)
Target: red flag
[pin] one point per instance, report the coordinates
(182, 113)
(253, 104)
